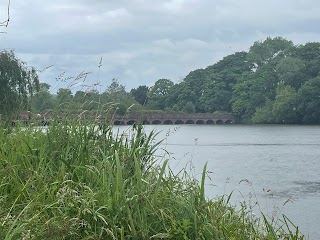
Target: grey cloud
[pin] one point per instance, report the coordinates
(142, 40)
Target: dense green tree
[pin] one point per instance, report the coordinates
(231, 68)
(310, 54)
(284, 107)
(116, 99)
(211, 88)
(43, 100)
(64, 99)
(18, 83)
(189, 108)
(275, 82)
(220, 80)
(216, 96)
(312, 68)
(264, 113)
(262, 52)
(172, 97)
(80, 97)
(87, 100)
(281, 110)
(190, 89)
(158, 93)
(290, 71)
(140, 94)
(309, 101)
(248, 96)
(175, 108)
(115, 87)
(259, 87)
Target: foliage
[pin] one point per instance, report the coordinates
(87, 100)
(262, 52)
(140, 94)
(285, 105)
(64, 98)
(43, 100)
(247, 97)
(18, 83)
(158, 94)
(117, 97)
(309, 101)
(269, 95)
(282, 110)
(78, 181)
(267, 84)
(291, 71)
(264, 114)
(189, 108)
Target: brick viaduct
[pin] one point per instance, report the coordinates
(174, 118)
(144, 118)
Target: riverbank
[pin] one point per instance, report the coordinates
(80, 182)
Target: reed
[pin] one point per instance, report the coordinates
(75, 180)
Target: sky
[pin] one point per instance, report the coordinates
(140, 41)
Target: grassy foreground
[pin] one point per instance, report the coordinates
(80, 182)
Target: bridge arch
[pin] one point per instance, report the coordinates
(200, 122)
(210, 122)
(146, 122)
(219, 121)
(131, 122)
(179, 122)
(156, 122)
(118, 122)
(189, 121)
(144, 118)
(167, 122)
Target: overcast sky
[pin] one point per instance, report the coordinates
(141, 41)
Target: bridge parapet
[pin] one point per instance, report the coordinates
(174, 118)
(144, 118)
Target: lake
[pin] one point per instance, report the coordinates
(275, 165)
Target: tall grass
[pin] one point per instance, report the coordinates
(80, 181)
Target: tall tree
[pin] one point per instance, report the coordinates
(310, 54)
(216, 95)
(140, 94)
(87, 100)
(159, 93)
(17, 83)
(64, 98)
(284, 107)
(116, 99)
(115, 87)
(190, 89)
(261, 52)
(43, 100)
(248, 96)
(309, 101)
(291, 71)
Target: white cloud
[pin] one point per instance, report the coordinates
(141, 40)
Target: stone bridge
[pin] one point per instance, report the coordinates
(129, 119)
(173, 118)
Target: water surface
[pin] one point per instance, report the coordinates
(275, 165)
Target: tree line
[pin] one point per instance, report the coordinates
(275, 81)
